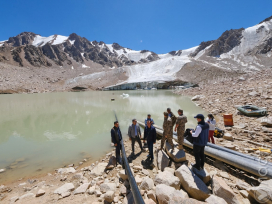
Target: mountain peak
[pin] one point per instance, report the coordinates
(267, 19)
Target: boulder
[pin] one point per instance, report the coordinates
(203, 174)
(169, 169)
(68, 187)
(223, 174)
(149, 201)
(212, 199)
(152, 195)
(266, 121)
(40, 193)
(185, 194)
(168, 179)
(230, 146)
(177, 155)
(14, 199)
(28, 195)
(78, 176)
(222, 190)
(193, 185)
(99, 169)
(91, 190)
(242, 185)
(82, 189)
(228, 136)
(147, 184)
(138, 180)
(123, 174)
(197, 97)
(123, 190)
(112, 163)
(2, 170)
(244, 193)
(107, 187)
(185, 201)
(66, 170)
(262, 193)
(109, 196)
(162, 160)
(166, 193)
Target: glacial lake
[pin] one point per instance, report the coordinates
(43, 132)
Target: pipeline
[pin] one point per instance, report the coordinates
(134, 188)
(243, 163)
(256, 159)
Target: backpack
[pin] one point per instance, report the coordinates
(188, 136)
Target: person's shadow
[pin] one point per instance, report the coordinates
(132, 157)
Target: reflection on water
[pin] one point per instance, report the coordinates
(41, 132)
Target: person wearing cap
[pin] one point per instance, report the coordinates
(134, 133)
(211, 121)
(172, 116)
(116, 137)
(200, 136)
(167, 131)
(149, 119)
(180, 127)
(150, 137)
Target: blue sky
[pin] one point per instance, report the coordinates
(157, 25)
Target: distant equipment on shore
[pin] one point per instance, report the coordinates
(124, 95)
(112, 99)
(252, 111)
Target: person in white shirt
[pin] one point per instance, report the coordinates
(211, 121)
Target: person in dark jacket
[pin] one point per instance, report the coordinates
(200, 135)
(116, 137)
(150, 137)
(149, 119)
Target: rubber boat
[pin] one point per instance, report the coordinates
(250, 110)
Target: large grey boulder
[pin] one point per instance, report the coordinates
(109, 196)
(222, 190)
(64, 189)
(192, 184)
(123, 174)
(242, 185)
(82, 189)
(66, 170)
(112, 163)
(104, 187)
(262, 193)
(99, 169)
(169, 169)
(147, 184)
(213, 199)
(166, 193)
(185, 201)
(162, 160)
(175, 154)
(168, 179)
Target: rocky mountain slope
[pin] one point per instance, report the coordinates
(96, 64)
(30, 49)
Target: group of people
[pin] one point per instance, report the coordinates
(202, 134)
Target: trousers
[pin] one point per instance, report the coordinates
(150, 149)
(169, 139)
(199, 155)
(133, 140)
(117, 153)
(211, 136)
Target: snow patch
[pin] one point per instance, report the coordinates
(72, 41)
(85, 66)
(53, 39)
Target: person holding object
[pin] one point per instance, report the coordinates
(167, 131)
(149, 119)
(180, 127)
(172, 116)
(134, 133)
(211, 121)
(116, 137)
(150, 137)
(200, 136)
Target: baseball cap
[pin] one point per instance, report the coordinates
(199, 116)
